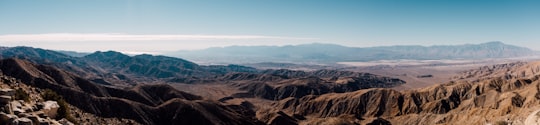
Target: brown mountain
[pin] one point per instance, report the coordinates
(496, 99)
(147, 104)
(280, 84)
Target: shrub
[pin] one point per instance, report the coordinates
(48, 94)
(20, 94)
(501, 123)
(63, 111)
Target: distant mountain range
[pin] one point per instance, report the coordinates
(331, 53)
(111, 66)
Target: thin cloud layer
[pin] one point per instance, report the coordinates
(74, 37)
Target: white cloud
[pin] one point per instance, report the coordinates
(74, 37)
(136, 44)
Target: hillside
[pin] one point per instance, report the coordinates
(490, 100)
(114, 85)
(147, 104)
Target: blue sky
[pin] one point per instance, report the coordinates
(153, 26)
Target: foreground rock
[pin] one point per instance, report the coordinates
(50, 108)
(36, 111)
(533, 118)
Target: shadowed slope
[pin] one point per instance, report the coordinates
(148, 104)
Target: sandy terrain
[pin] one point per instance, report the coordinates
(411, 71)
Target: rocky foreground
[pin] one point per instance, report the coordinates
(24, 105)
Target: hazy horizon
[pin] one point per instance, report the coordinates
(158, 26)
(172, 51)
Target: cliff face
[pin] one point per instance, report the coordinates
(494, 99)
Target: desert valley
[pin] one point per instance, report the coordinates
(269, 62)
(111, 87)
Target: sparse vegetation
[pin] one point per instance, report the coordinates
(63, 111)
(425, 76)
(501, 123)
(332, 121)
(20, 94)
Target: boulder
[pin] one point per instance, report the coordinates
(16, 104)
(4, 100)
(7, 109)
(50, 108)
(533, 118)
(22, 121)
(34, 119)
(7, 118)
(28, 109)
(44, 121)
(65, 122)
(41, 114)
(38, 121)
(17, 110)
(7, 92)
(54, 122)
(23, 115)
(39, 106)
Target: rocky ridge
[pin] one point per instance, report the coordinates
(146, 104)
(114, 68)
(496, 99)
(280, 84)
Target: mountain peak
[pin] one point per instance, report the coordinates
(320, 45)
(110, 52)
(494, 43)
(106, 54)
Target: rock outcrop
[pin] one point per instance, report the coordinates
(27, 107)
(19, 112)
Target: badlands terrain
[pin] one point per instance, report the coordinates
(109, 87)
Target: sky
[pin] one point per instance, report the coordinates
(154, 26)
